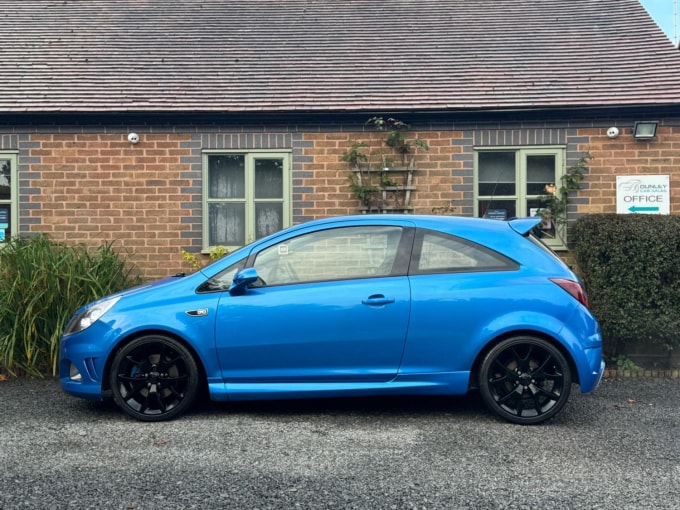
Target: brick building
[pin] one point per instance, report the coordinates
(243, 112)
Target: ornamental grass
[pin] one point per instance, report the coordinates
(42, 282)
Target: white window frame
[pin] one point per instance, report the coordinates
(249, 199)
(521, 197)
(13, 201)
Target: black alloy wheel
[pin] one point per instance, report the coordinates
(154, 378)
(525, 380)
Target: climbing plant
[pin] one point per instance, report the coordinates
(556, 200)
(371, 165)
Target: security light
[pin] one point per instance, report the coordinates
(645, 130)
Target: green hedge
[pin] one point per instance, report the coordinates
(631, 268)
(42, 283)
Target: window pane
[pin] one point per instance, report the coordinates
(5, 223)
(226, 175)
(268, 178)
(5, 179)
(547, 229)
(344, 253)
(268, 219)
(497, 209)
(447, 254)
(540, 173)
(496, 173)
(227, 224)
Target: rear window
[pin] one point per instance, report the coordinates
(440, 253)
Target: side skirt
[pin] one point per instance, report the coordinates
(445, 383)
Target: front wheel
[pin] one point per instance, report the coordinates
(525, 380)
(154, 378)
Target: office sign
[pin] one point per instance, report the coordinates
(643, 194)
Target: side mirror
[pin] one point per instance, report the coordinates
(241, 281)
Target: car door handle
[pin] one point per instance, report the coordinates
(377, 300)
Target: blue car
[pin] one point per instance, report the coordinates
(344, 307)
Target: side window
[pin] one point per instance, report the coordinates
(439, 253)
(8, 196)
(222, 280)
(334, 254)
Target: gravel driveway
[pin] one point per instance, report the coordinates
(618, 448)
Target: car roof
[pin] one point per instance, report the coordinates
(460, 225)
(501, 236)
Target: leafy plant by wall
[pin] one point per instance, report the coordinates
(197, 261)
(631, 269)
(42, 283)
(556, 201)
(373, 167)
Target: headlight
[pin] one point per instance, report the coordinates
(90, 315)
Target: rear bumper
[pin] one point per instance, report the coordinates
(591, 379)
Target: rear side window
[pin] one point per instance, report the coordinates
(440, 253)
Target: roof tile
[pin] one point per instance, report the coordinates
(327, 55)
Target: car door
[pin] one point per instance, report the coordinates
(332, 306)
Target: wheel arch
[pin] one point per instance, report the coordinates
(202, 377)
(474, 371)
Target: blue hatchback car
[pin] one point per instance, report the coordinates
(348, 306)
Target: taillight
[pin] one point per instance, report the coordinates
(573, 288)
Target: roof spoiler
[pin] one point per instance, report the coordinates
(525, 225)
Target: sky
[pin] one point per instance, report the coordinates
(663, 11)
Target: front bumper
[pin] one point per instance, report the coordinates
(82, 363)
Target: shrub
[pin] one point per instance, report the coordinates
(197, 262)
(631, 268)
(42, 283)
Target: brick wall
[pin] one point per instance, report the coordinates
(93, 186)
(625, 156)
(326, 185)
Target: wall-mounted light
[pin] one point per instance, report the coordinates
(645, 130)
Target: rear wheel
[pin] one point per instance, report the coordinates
(525, 380)
(154, 378)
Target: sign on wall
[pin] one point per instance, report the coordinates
(643, 194)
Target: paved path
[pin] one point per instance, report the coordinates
(618, 448)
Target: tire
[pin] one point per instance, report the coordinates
(525, 380)
(154, 378)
